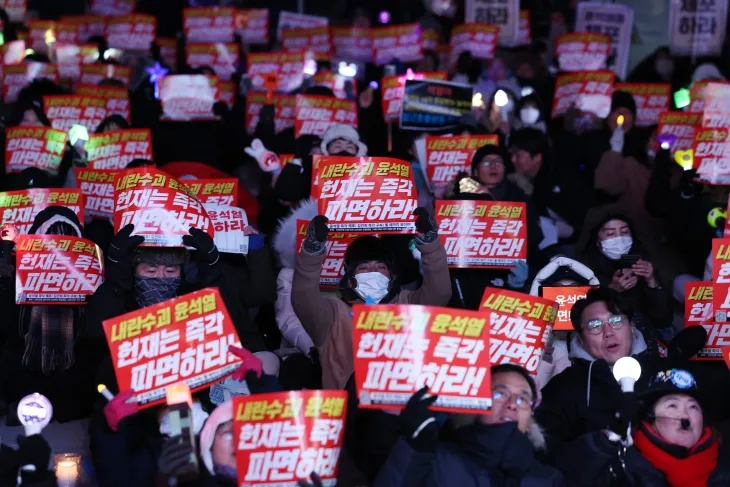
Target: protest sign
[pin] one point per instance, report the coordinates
(565, 297)
(56, 269)
(93, 74)
(97, 186)
(168, 50)
(491, 234)
(582, 51)
(393, 89)
(315, 40)
(697, 28)
(18, 76)
(716, 107)
(434, 105)
(285, 436)
(698, 311)
(112, 7)
(501, 13)
(115, 149)
(478, 39)
(651, 100)
(20, 207)
(253, 25)
(209, 24)
(70, 58)
(41, 34)
(448, 156)
(712, 156)
(352, 43)
(41, 147)
(315, 114)
(288, 67)
(12, 53)
(613, 19)
(402, 42)
(588, 91)
(341, 86)
(87, 26)
(134, 32)
(284, 110)
(524, 37)
(229, 223)
(430, 39)
(184, 339)
(291, 20)
(221, 192)
(682, 125)
(400, 348)
(116, 100)
(697, 96)
(65, 111)
(66, 33)
(16, 9)
(519, 327)
(161, 209)
(189, 97)
(721, 279)
(223, 58)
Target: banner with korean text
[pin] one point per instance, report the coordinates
(97, 186)
(393, 88)
(434, 105)
(401, 348)
(287, 66)
(56, 269)
(93, 74)
(352, 43)
(582, 51)
(189, 97)
(223, 58)
(41, 147)
(478, 39)
(712, 155)
(503, 14)
(313, 40)
(229, 224)
(184, 339)
(333, 267)
(253, 25)
(651, 99)
(21, 207)
(588, 91)
(364, 194)
(614, 20)
(116, 99)
(698, 310)
(315, 114)
(341, 86)
(209, 24)
(682, 125)
(16, 9)
(134, 32)
(519, 327)
(283, 437)
(401, 42)
(116, 149)
(65, 111)
(716, 112)
(87, 26)
(448, 156)
(223, 192)
(697, 28)
(17, 76)
(284, 110)
(721, 279)
(565, 297)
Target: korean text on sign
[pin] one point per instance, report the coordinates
(131, 32)
(291, 20)
(582, 51)
(116, 149)
(16, 76)
(87, 26)
(116, 99)
(182, 339)
(287, 66)
(698, 311)
(21, 207)
(483, 233)
(520, 326)
(682, 125)
(721, 279)
(188, 97)
(588, 91)
(16, 9)
(401, 42)
(284, 110)
(315, 40)
(712, 155)
(160, 208)
(341, 86)
(503, 14)
(352, 43)
(393, 88)
(223, 58)
(97, 186)
(614, 20)
(253, 25)
(448, 156)
(697, 96)
(697, 27)
(285, 436)
(366, 194)
(479, 39)
(40, 147)
(651, 99)
(716, 107)
(565, 297)
(93, 74)
(434, 105)
(56, 269)
(65, 111)
(209, 24)
(229, 223)
(223, 192)
(112, 7)
(401, 348)
(315, 114)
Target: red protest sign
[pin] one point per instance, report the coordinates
(65, 111)
(363, 194)
(519, 327)
(70, 58)
(97, 186)
(582, 51)
(565, 297)
(479, 39)
(333, 267)
(588, 91)
(87, 26)
(284, 110)
(352, 43)
(698, 311)
(209, 24)
(56, 269)
(401, 348)
(21, 207)
(697, 96)
(393, 88)
(712, 156)
(335, 82)
(721, 278)
(112, 7)
(40, 147)
(287, 66)
(93, 74)
(116, 149)
(189, 97)
(430, 39)
(253, 25)
(161, 209)
(116, 100)
(16, 9)
(525, 29)
(651, 99)
(66, 33)
(490, 234)
(223, 58)
(309, 431)
(682, 125)
(448, 156)
(315, 114)
(168, 50)
(222, 192)
(18, 76)
(41, 33)
(401, 42)
(184, 339)
(311, 39)
(716, 113)
(134, 32)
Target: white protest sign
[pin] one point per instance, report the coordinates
(229, 223)
(505, 14)
(614, 20)
(697, 27)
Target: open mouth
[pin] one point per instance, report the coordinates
(612, 347)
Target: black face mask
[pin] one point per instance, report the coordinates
(343, 153)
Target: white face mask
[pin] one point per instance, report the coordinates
(529, 115)
(616, 247)
(373, 285)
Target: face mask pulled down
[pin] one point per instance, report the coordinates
(153, 290)
(373, 285)
(616, 247)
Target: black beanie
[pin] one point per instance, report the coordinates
(490, 149)
(623, 99)
(366, 249)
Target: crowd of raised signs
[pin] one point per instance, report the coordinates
(429, 244)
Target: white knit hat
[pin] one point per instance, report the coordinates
(707, 71)
(346, 132)
(221, 414)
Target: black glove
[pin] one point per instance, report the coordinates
(174, 457)
(119, 258)
(316, 482)
(34, 450)
(426, 226)
(688, 187)
(316, 236)
(206, 255)
(418, 423)
(263, 384)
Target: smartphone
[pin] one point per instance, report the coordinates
(628, 260)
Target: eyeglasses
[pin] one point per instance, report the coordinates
(596, 326)
(522, 401)
(494, 163)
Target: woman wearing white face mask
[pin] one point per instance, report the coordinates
(530, 114)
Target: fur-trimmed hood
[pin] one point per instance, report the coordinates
(285, 237)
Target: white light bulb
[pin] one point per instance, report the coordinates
(501, 99)
(627, 371)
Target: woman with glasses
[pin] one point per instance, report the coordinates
(496, 449)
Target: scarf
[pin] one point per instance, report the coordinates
(153, 290)
(692, 471)
(50, 338)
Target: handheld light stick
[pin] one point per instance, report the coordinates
(105, 392)
(627, 371)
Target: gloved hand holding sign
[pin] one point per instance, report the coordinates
(268, 161)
